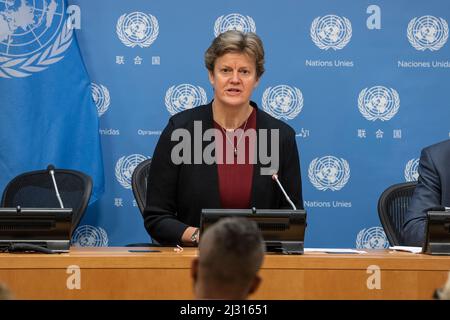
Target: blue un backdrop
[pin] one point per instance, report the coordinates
(365, 86)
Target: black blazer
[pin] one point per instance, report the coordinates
(432, 190)
(176, 194)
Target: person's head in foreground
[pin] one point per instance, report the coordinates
(230, 254)
(5, 294)
(444, 292)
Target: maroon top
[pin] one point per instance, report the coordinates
(235, 177)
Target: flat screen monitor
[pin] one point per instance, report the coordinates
(437, 238)
(283, 230)
(35, 229)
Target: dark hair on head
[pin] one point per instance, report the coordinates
(232, 250)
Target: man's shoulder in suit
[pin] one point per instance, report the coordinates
(440, 147)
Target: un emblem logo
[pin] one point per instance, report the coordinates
(411, 172)
(378, 103)
(234, 21)
(329, 173)
(184, 96)
(427, 32)
(33, 36)
(125, 167)
(89, 236)
(137, 29)
(100, 95)
(331, 32)
(372, 238)
(282, 102)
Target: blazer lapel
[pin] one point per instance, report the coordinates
(209, 172)
(259, 182)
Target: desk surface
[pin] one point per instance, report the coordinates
(116, 273)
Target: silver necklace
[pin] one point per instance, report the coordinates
(239, 140)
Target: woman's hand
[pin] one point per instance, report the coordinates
(191, 236)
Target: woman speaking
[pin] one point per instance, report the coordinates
(223, 154)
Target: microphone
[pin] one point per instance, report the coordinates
(51, 171)
(275, 177)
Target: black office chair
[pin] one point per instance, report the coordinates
(139, 187)
(139, 183)
(35, 189)
(392, 207)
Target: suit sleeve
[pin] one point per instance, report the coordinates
(426, 195)
(160, 218)
(291, 176)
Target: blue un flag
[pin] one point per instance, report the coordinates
(47, 115)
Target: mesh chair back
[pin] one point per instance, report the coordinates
(139, 186)
(139, 183)
(392, 207)
(35, 190)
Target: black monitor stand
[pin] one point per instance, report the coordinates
(437, 238)
(283, 230)
(45, 230)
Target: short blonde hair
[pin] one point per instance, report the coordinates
(444, 292)
(234, 41)
(5, 294)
